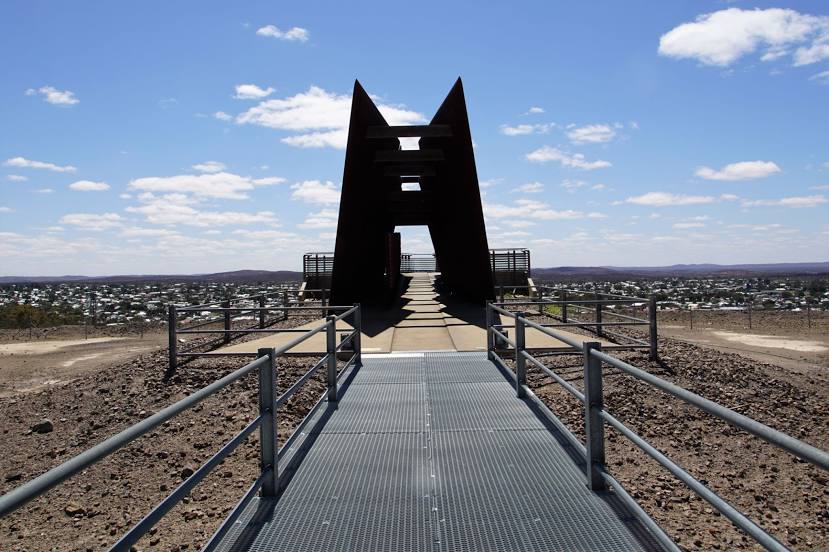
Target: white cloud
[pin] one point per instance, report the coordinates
(524, 129)
(576, 160)
(268, 181)
(822, 77)
(44, 191)
(327, 218)
(744, 170)
(794, 202)
(529, 188)
(209, 167)
(721, 38)
(572, 185)
(591, 134)
(139, 232)
(665, 199)
(16, 178)
(23, 163)
(489, 183)
(251, 92)
(535, 110)
(822, 187)
(294, 34)
(315, 191)
(54, 96)
(89, 186)
(218, 185)
(178, 209)
(167, 103)
(265, 234)
(319, 118)
(91, 221)
(6, 210)
(222, 116)
(518, 223)
(534, 210)
(685, 225)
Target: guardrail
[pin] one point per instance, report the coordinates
(269, 478)
(603, 314)
(257, 307)
(417, 262)
(596, 416)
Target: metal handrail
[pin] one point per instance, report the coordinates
(268, 479)
(26, 492)
(722, 505)
(781, 440)
(277, 307)
(593, 401)
(198, 307)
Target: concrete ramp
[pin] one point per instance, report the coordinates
(421, 322)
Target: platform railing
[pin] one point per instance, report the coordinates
(602, 306)
(596, 416)
(266, 309)
(268, 482)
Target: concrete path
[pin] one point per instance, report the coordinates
(422, 322)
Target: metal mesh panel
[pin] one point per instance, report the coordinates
(380, 408)
(461, 368)
(435, 465)
(404, 369)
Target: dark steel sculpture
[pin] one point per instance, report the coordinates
(373, 203)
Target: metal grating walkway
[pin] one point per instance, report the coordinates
(433, 451)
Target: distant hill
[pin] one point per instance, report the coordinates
(236, 276)
(685, 270)
(552, 273)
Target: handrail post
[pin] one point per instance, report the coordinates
(323, 303)
(226, 305)
(501, 293)
(490, 336)
(593, 423)
(654, 353)
(268, 439)
(358, 329)
(564, 306)
(539, 290)
(172, 340)
(520, 361)
(331, 356)
(599, 331)
(261, 311)
(285, 302)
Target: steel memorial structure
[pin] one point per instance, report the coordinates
(374, 202)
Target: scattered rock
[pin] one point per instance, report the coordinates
(43, 426)
(74, 509)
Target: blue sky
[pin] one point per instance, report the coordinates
(172, 137)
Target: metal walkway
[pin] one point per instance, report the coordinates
(434, 451)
